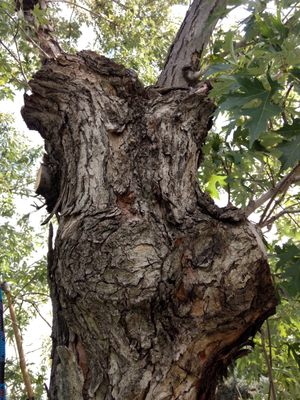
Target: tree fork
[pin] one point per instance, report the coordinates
(155, 289)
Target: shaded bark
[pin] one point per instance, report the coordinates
(155, 289)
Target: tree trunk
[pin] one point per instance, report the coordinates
(155, 290)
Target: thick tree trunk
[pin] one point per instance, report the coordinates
(155, 290)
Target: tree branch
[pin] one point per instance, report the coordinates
(34, 305)
(278, 215)
(96, 14)
(16, 58)
(190, 41)
(281, 186)
(47, 44)
(43, 53)
(269, 364)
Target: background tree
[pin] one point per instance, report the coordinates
(20, 262)
(162, 260)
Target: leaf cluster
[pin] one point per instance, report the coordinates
(136, 33)
(254, 69)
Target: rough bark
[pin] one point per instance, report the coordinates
(155, 290)
(190, 41)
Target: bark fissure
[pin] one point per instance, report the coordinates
(155, 288)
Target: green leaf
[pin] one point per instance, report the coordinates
(289, 131)
(260, 116)
(294, 349)
(40, 15)
(290, 152)
(289, 264)
(217, 68)
(295, 72)
(213, 182)
(290, 147)
(255, 101)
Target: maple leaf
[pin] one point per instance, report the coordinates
(290, 147)
(254, 101)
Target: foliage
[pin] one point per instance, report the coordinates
(254, 70)
(14, 380)
(134, 32)
(277, 348)
(283, 344)
(17, 60)
(19, 242)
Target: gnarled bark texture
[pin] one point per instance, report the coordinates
(155, 290)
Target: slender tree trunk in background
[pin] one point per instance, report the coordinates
(155, 290)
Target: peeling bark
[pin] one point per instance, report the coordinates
(155, 289)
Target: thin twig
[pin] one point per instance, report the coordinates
(275, 204)
(268, 211)
(268, 362)
(289, 12)
(295, 222)
(47, 390)
(291, 85)
(227, 170)
(270, 172)
(96, 14)
(18, 338)
(38, 311)
(289, 179)
(20, 62)
(11, 53)
(258, 182)
(275, 217)
(17, 293)
(270, 343)
(284, 117)
(27, 36)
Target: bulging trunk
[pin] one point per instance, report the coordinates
(155, 290)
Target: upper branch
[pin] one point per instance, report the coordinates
(43, 38)
(190, 41)
(280, 187)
